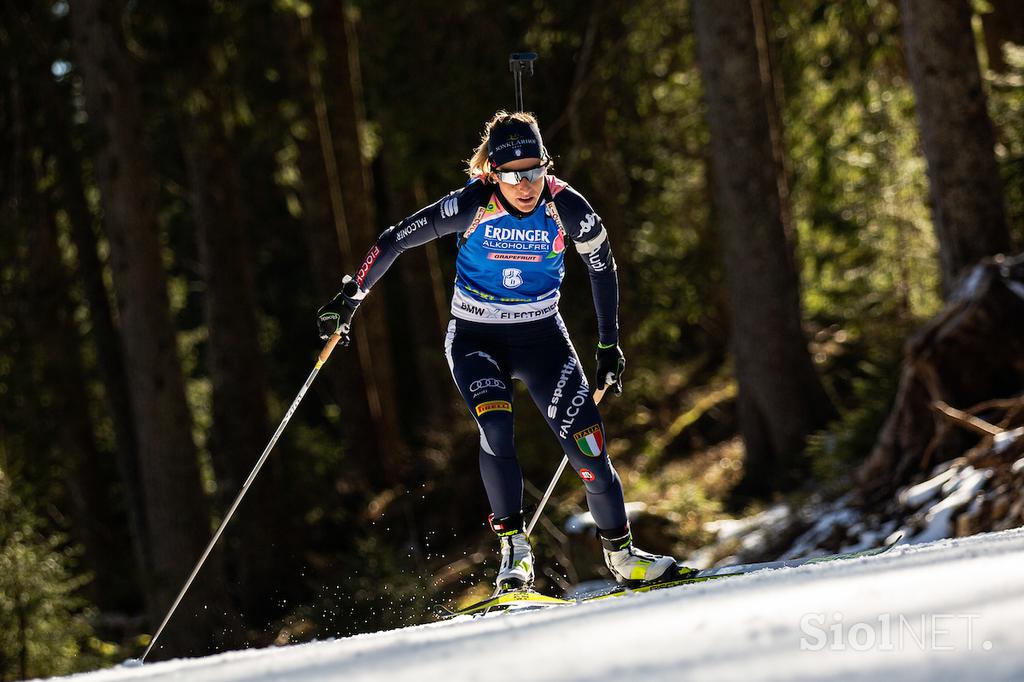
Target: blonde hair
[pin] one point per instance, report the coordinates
(479, 165)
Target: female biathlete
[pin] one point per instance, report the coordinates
(512, 220)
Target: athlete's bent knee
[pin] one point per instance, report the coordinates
(598, 476)
(496, 436)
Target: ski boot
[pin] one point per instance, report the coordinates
(632, 567)
(516, 570)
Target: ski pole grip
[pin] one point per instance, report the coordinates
(329, 347)
(598, 394)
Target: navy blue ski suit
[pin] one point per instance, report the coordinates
(506, 326)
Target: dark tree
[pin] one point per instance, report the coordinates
(109, 355)
(345, 117)
(956, 134)
(781, 399)
(176, 513)
(239, 429)
(73, 450)
(333, 252)
(68, 460)
(51, 102)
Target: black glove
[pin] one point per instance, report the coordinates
(335, 317)
(611, 363)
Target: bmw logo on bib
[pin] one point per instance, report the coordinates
(511, 278)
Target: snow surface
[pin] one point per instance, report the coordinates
(916, 495)
(947, 610)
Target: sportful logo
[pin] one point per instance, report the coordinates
(588, 223)
(511, 278)
(573, 411)
(482, 384)
(590, 441)
(587, 474)
(563, 379)
(492, 406)
(450, 207)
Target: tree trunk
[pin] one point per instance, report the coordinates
(109, 353)
(345, 371)
(239, 430)
(424, 318)
(781, 399)
(72, 459)
(74, 448)
(331, 256)
(176, 512)
(968, 354)
(50, 102)
(956, 134)
(356, 218)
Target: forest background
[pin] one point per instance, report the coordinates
(791, 188)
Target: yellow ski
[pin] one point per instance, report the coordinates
(509, 600)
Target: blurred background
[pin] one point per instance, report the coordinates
(794, 192)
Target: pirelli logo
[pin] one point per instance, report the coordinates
(492, 406)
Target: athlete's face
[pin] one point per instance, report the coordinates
(523, 195)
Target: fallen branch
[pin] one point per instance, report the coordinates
(971, 350)
(966, 419)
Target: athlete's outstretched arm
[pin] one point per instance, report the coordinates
(451, 214)
(448, 215)
(587, 232)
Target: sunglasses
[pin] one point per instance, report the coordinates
(514, 177)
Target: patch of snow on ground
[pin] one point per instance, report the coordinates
(729, 529)
(915, 496)
(947, 610)
(959, 491)
(1001, 441)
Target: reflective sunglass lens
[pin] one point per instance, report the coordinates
(514, 177)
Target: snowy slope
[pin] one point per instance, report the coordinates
(948, 610)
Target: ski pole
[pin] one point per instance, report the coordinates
(520, 63)
(598, 394)
(324, 354)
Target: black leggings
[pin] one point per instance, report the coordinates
(484, 358)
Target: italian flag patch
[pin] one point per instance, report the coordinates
(590, 441)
